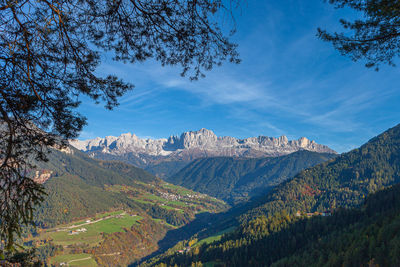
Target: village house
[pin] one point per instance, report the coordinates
(78, 231)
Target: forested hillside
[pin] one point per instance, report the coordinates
(275, 229)
(75, 186)
(342, 182)
(366, 236)
(233, 179)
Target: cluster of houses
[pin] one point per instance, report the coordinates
(170, 196)
(77, 232)
(195, 196)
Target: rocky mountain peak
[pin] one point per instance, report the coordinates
(283, 140)
(304, 142)
(195, 144)
(200, 138)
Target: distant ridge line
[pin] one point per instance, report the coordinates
(195, 142)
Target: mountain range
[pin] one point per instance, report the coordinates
(164, 157)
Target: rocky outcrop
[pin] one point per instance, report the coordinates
(196, 144)
(42, 176)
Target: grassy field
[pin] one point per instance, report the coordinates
(108, 223)
(177, 203)
(215, 237)
(184, 197)
(153, 198)
(84, 260)
(93, 234)
(178, 189)
(102, 215)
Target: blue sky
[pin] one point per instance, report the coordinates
(289, 83)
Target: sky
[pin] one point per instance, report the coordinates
(288, 83)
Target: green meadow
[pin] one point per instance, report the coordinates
(215, 237)
(93, 234)
(84, 260)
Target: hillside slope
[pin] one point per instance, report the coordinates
(120, 204)
(342, 183)
(75, 186)
(235, 179)
(366, 236)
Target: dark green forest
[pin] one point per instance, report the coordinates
(159, 168)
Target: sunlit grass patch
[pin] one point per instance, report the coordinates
(74, 260)
(92, 232)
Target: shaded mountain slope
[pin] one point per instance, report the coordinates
(233, 179)
(93, 171)
(160, 166)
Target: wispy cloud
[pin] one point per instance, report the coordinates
(305, 100)
(222, 89)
